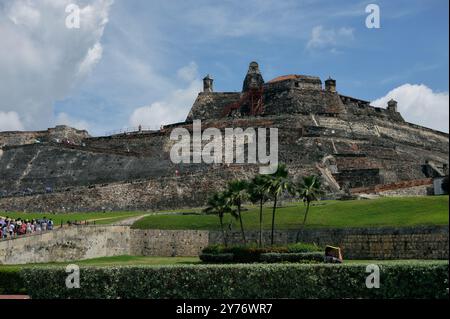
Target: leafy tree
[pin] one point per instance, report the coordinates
(219, 205)
(278, 184)
(236, 194)
(309, 189)
(259, 193)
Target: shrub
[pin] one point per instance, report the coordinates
(265, 281)
(213, 249)
(292, 257)
(11, 282)
(303, 248)
(242, 254)
(252, 253)
(217, 258)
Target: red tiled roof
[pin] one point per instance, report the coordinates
(284, 78)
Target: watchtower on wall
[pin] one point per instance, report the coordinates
(208, 84)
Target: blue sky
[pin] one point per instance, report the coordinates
(147, 58)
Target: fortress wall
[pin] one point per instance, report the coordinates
(39, 166)
(19, 138)
(84, 242)
(170, 243)
(67, 244)
(397, 151)
(25, 138)
(145, 143)
(154, 194)
(427, 242)
(302, 101)
(210, 105)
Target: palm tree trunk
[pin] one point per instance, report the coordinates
(240, 221)
(273, 220)
(260, 222)
(304, 220)
(223, 231)
(306, 213)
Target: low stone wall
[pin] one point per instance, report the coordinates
(404, 188)
(67, 244)
(84, 242)
(153, 242)
(428, 242)
(423, 190)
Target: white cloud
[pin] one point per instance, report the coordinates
(9, 121)
(92, 57)
(189, 72)
(172, 108)
(329, 38)
(65, 119)
(420, 105)
(42, 60)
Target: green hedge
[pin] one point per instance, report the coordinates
(217, 258)
(303, 248)
(11, 282)
(292, 248)
(398, 280)
(251, 254)
(262, 257)
(292, 257)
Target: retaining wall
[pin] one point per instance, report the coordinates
(425, 242)
(84, 242)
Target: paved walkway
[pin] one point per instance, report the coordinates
(14, 297)
(130, 221)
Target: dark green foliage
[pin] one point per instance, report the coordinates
(236, 193)
(219, 204)
(10, 282)
(222, 258)
(309, 189)
(292, 257)
(398, 280)
(279, 183)
(252, 254)
(303, 248)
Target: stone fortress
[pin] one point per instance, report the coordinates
(355, 147)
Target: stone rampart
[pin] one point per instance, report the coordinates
(84, 242)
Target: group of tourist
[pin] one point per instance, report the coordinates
(11, 228)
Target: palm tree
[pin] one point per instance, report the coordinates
(237, 193)
(259, 193)
(278, 183)
(218, 204)
(309, 189)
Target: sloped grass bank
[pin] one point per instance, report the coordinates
(388, 211)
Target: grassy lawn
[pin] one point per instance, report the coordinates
(99, 217)
(393, 211)
(115, 261)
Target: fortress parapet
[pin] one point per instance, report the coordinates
(286, 94)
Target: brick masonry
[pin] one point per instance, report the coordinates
(84, 242)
